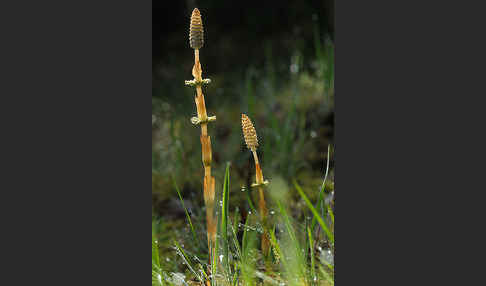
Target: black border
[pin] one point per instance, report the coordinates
(76, 153)
(407, 97)
(407, 118)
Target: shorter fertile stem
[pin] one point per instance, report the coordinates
(258, 169)
(251, 141)
(262, 208)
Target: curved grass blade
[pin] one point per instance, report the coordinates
(321, 192)
(250, 202)
(287, 223)
(185, 210)
(236, 243)
(329, 234)
(326, 275)
(184, 257)
(291, 253)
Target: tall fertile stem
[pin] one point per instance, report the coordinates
(196, 41)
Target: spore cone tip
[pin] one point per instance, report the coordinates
(249, 132)
(196, 30)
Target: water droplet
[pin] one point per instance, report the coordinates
(221, 258)
(294, 68)
(167, 259)
(272, 212)
(327, 256)
(178, 279)
(249, 212)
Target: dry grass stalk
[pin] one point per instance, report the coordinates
(196, 41)
(251, 141)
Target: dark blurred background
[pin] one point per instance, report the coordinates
(274, 61)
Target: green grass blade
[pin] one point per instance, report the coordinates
(329, 234)
(214, 260)
(235, 278)
(311, 247)
(236, 243)
(250, 202)
(292, 256)
(321, 192)
(326, 275)
(184, 257)
(185, 210)
(244, 239)
(246, 263)
(331, 214)
(155, 251)
(287, 223)
(224, 219)
(157, 273)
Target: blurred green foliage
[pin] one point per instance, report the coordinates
(277, 66)
(289, 96)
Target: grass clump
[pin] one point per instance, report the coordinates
(298, 255)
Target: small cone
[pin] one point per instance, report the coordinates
(196, 30)
(249, 132)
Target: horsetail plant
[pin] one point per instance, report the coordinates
(251, 141)
(196, 41)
